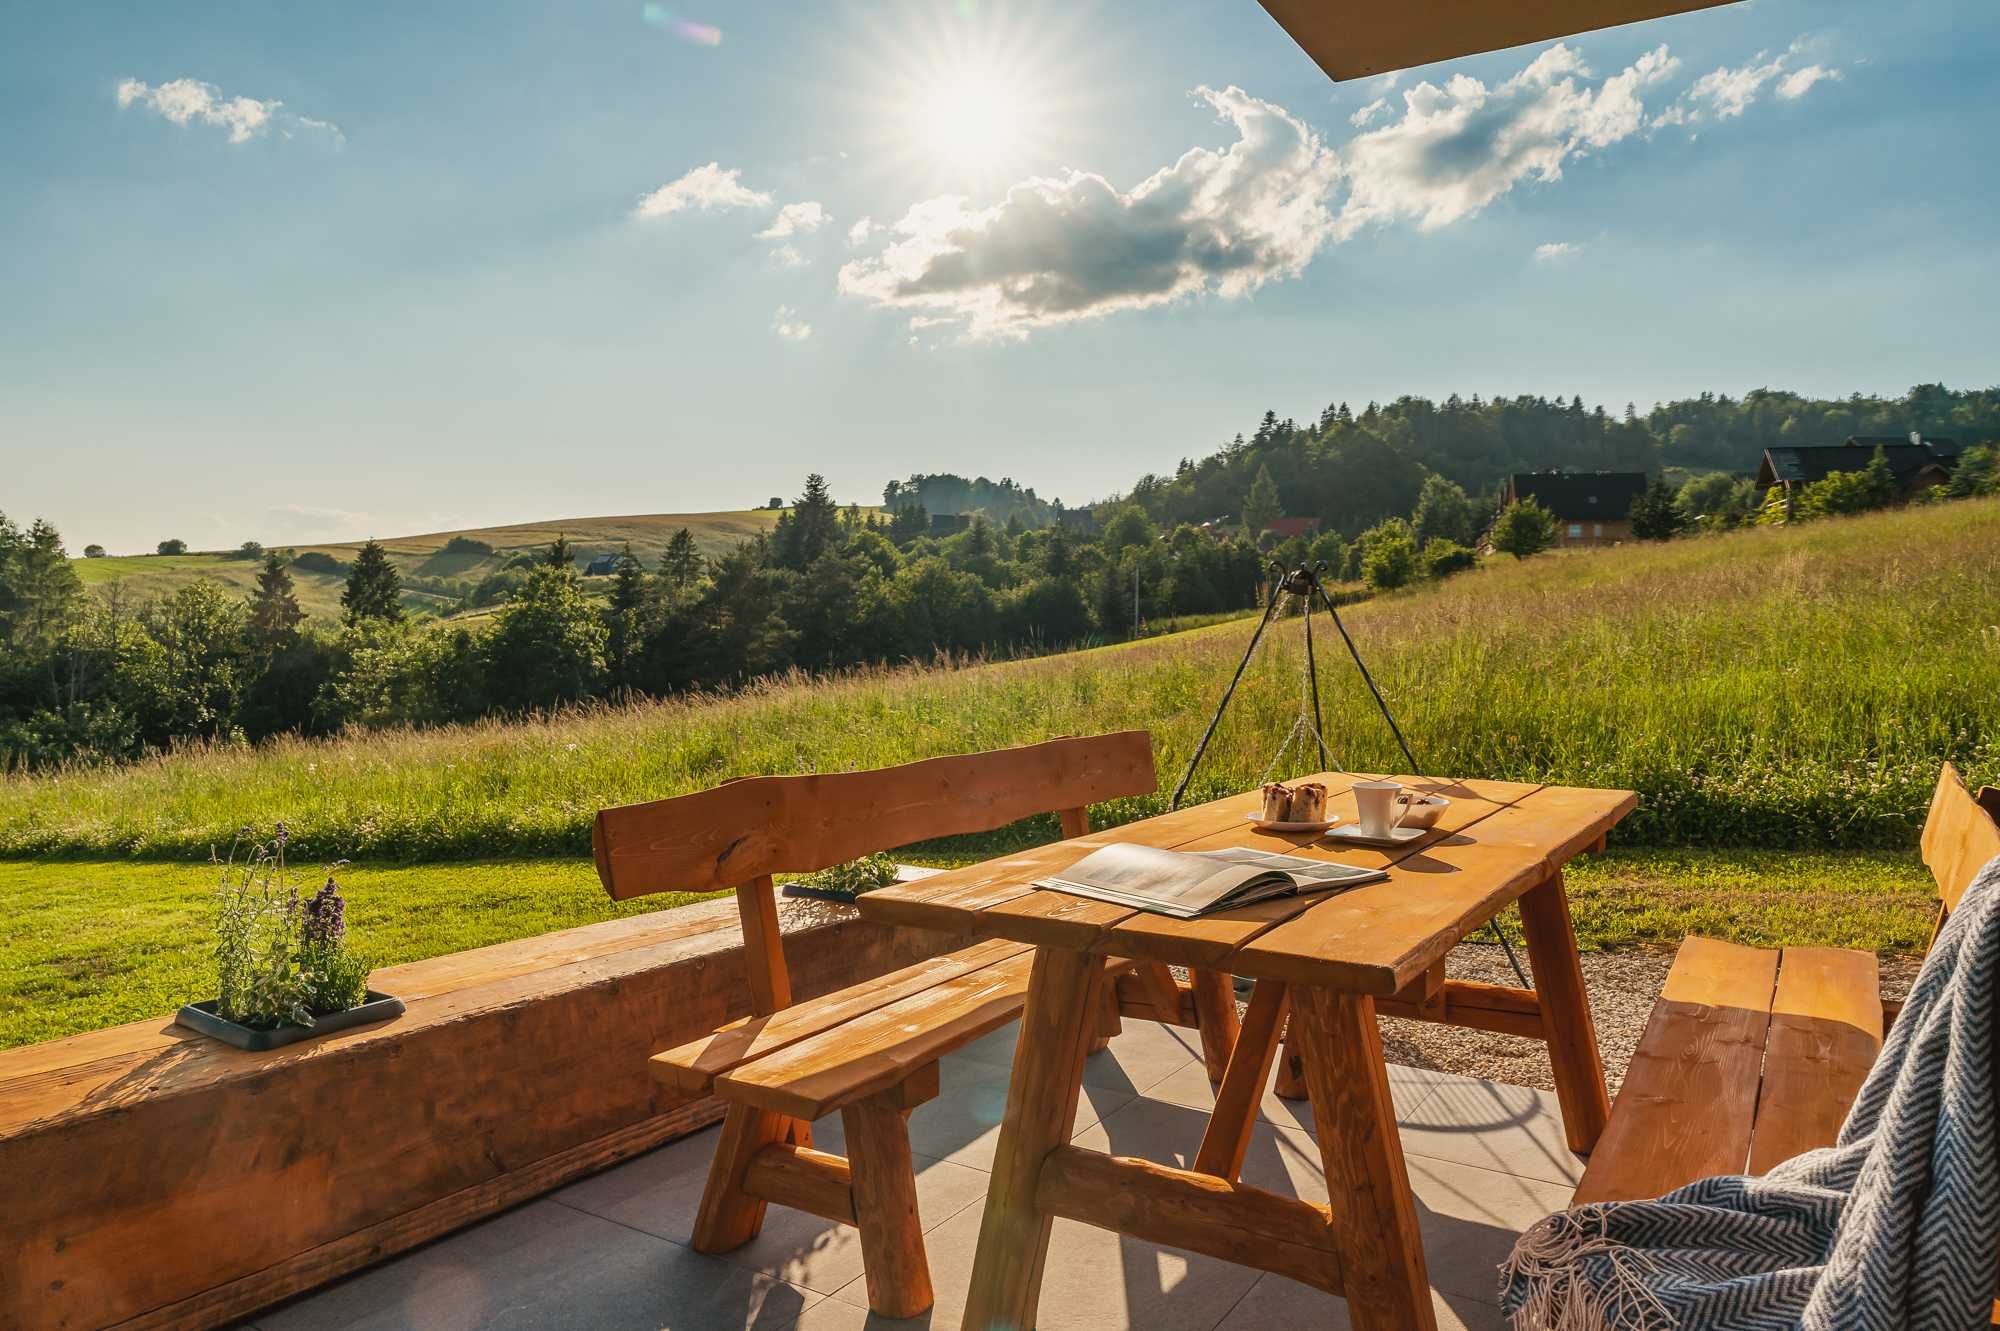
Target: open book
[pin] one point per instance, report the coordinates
(1194, 883)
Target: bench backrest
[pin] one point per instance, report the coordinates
(742, 832)
(1960, 835)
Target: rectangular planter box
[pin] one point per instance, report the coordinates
(203, 1017)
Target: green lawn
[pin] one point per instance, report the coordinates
(95, 943)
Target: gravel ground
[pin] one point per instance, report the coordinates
(1622, 986)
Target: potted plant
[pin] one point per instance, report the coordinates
(844, 882)
(283, 971)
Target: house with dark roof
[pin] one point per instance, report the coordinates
(1286, 528)
(601, 567)
(1918, 463)
(1590, 507)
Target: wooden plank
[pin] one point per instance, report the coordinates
(227, 1303)
(1960, 837)
(764, 950)
(1374, 1215)
(1574, 1063)
(1215, 1018)
(1481, 1007)
(1689, 1102)
(960, 901)
(1041, 1105)
(1214, 942)
(885, 1209)
(691, 1068)
(1194, 1211)
(881, 1049)
(126, 1151)
(1352, 39)
(1227, 1138)
(1377, 938)
(803, 1179)
(765, 825)
(1826, 1031)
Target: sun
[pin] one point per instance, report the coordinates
(970, 98)
(975, 119)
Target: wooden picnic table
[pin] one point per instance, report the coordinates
(1324, 966)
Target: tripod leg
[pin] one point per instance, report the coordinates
(1223, 706)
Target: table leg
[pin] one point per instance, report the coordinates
(1368, 1184)
(1215, 1010)
(1041, 1104)
(1566, 1022)
(1228, 1137)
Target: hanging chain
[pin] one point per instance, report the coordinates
(1305, 724)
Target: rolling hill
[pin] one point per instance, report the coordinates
(434, 577)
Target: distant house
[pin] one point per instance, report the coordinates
(1590, 507)
(1919, 463)
(1286, 528)
(601, 567)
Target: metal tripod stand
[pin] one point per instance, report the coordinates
(1304, 583)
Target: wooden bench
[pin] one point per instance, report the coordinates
(869, 1051)
(1753, 1055)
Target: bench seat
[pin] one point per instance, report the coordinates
(827, 1053)
(1751, 1056)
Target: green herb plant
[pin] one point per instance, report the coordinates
(280, 960)
(853, 878)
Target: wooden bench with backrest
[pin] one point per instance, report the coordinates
(1753, 1055)
(870, 1051)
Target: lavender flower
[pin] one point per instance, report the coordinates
(326, 916)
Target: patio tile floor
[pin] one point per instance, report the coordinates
(609, 1252)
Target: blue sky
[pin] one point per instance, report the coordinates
(317, 272)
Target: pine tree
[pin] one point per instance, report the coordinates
(561, 554)
(815, 526)
(1261, 507)
(274, 607)
(626, 616)
(681, 564)
(374, 588)
(1655, 516)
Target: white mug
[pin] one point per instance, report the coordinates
(1376, 801)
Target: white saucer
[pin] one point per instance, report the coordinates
(1315, 828)
(1352, 832)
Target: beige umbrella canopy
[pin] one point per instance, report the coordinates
(1352, 39)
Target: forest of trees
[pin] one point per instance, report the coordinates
(1354, 470)
(1404, 492)
(88, 678)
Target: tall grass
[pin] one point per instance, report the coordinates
(1771, 688)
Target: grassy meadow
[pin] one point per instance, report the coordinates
(1772, 689)
(1780, 698)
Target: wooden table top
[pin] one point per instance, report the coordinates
(1496, 840)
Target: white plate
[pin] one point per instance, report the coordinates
(1315, 828)
(1352, 832)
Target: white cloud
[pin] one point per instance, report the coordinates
(190, 101)
(1457, 148)
(788, 256)
(1378, 107)
(858, 233)
(795, 219)
(1800, 81)
(787, 324)
(1557, 249)
(1725, 93)
(1058, 250)
(707, 188)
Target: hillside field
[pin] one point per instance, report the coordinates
(1781, 699)
(144, 577)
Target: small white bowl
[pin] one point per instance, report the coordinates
(1423, 810)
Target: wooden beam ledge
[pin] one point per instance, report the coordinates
(1482, 1007)
(803, 1179)
(1198, 1212)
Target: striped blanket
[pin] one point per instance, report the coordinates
(1892, 1228)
